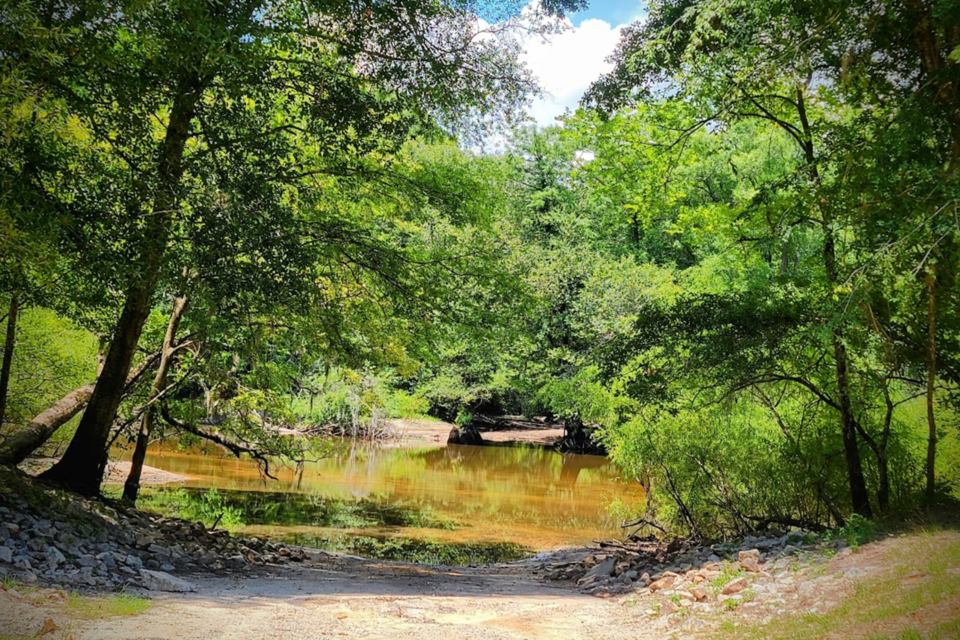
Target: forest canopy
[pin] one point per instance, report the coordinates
(733, 268)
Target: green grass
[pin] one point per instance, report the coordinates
(889, 600)
(727, 574)
(11, 583)
(947, 631)
(79, 607)
(96, 608)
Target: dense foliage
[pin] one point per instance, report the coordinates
(734, 268)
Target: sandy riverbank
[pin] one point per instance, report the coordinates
(414, 432)
(117, 472)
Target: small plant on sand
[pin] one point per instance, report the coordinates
(731, 604)
(116, 605)
(727, 573)
(856, 532)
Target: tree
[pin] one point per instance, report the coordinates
(742, 61)
(224, 82)
(8, 346)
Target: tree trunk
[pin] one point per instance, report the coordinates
(8, 353)
(82, 466)
(131, 489)
(931, 285)
(27, 439)
(920, 13)
(883, 492)
(859, 496)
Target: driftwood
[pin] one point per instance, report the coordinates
(641, 523)
(483, 423)
(763, 522)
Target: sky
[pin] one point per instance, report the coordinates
(569, 62)
(612, 12)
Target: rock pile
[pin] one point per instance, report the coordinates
(58, 538)
(698, 577)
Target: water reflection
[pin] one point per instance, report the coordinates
(463, 494)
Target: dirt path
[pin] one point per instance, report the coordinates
(335, 596)
(353, 598)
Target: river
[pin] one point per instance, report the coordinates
(484, 503)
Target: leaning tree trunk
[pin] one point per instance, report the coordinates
(27, 439)
(82, 466)
(8, 353)
(30, 437)
(941, 86)
(930, 47)
(931, 282)
(131, 489)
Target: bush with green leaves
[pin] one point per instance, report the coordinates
(51, 357)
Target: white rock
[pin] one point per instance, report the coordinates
(694, 624)
(734, 586)
(601, 570)
(161, 581)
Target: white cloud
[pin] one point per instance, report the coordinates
(568, 63)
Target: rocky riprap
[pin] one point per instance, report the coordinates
(666, 579)
(58, 538)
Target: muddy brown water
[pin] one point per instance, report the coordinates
(521, 495)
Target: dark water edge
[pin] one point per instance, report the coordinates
(238, 510)
(418, 550)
